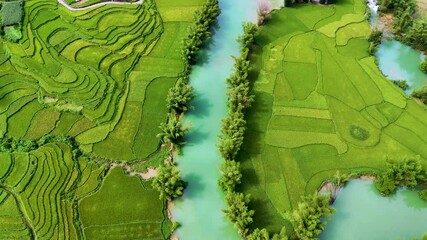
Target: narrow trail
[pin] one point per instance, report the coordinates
(95, 5)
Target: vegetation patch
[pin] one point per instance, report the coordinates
(359, 133)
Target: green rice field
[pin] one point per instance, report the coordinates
(321, 105)
(100, 76)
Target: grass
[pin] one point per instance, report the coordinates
(321, 105)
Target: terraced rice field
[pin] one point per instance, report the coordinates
(321, 105)
(81, 75)
(100, 76)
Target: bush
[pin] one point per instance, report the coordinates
(385, 184)
(173, 131)
(11, 13)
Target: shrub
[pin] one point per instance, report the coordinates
(375, 36)
(259, 234)
(11, 13)
(232, 135)
(385, 184)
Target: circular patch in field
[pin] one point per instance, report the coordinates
(359, 133)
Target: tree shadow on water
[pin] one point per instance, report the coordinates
(201, 106)
(194, 187)
(195, 135)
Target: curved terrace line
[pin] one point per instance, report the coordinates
(96, 5)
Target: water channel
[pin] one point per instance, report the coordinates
(362, 213)
(200, 210)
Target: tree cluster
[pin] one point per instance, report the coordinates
(423, 65)
(374, 40)
(421, 94)
(401, 173)
(409, 27)
(402, 84)
(199, 32)
(179, 97)
(169, 182)
(8, 144)
(307, 217)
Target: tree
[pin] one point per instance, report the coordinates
(232, 134)
(259, 234)
(180, 96)
(401, 173)
(168, 182)
(172, 131)
(238, 212)
(423, 194)
(423, 65)
(385, 184)
(421, 94)
(231, 175)
(306, 218)
(338, 181)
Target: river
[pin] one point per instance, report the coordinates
(200, 210)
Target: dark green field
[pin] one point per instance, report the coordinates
(321, 105)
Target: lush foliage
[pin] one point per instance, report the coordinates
(168, 182)
(199, 32)
(423, 194)
(230, 175)
(307, 217)
(238, 212)
(402, 84)
(180, 96)
(375, 40)
(400, 173)
(423, 65)
(421, 94)
(173, 131)
(338, 181)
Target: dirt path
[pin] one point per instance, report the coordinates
(151, 172)
(95, 5)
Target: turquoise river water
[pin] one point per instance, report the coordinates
(200, 210)
(398, 61)
(362, 213)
